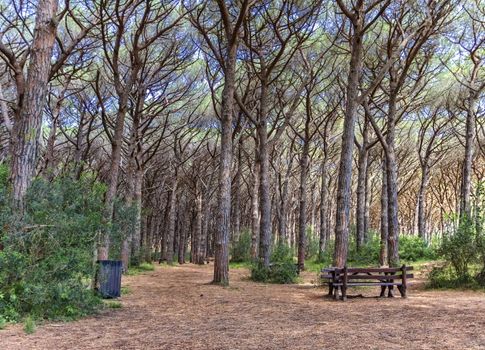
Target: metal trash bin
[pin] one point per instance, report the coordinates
(108, 278)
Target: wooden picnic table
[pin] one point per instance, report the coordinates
(339, 279)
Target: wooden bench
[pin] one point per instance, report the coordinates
(339, 279)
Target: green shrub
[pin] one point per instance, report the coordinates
(3, 323)
(413, 248)
(446, 277)
(367, 255)
(460, 249)
(283, 269)
(47, 261)
(259, 273)
(241, 249)
(29, 325)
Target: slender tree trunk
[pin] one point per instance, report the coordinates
(383, 256)
(303, 205)
(465, 195)
(28, 120)
(345, 170)
(204, 240)
(236, 208)
(255, 212)
(264, 182)
(361, 194)
(199, 241)
(422, 201)
(283, 221)
(221, 265)
(391, 166)
(137, 198)
(171, 221)
(322, 244)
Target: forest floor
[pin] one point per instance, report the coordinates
(176, 308)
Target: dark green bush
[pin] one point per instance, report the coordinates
(367, 255)
(460, 249)
(413, 248)
(283, 269)
(241, 249)
(47, 261)
(446, 277)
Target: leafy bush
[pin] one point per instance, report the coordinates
(446, 277)
(241, 249)
(460, 249)
(367, 255)
(47, 261)
(283, 270)
(413, 248)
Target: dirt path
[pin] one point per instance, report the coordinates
(175, 308)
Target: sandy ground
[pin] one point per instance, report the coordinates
(176, 308)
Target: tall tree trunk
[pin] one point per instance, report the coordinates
(383, 256)
(345, 170)
(391, 166)
(422, 201)
(236, 208)
(137, 198)
(255, 212)
(28, 119)
(115, 160)
(283, 221)
(264, 181)
(199, 242)
(221, 265)
(361, 189)
(322, 244)
(465, 207)
(303, 205)
(171, 221)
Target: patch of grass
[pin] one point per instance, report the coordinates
(240, 265)
(3, 323)
(29, 325)
(113, 304)
(125, 290)
(143, 267)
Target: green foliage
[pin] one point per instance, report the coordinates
(367, 255)
(47, 261)
(3, 323)
(312, 245)
(413, 248)
(123, 224)
(445, 277)
(283, 269)
(241, 249)
(460, 249)
(29, 325)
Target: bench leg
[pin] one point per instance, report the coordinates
(389, 293)
(344, 293)
(402, 290)
(335, 293)
(383, 292)
(330, 289)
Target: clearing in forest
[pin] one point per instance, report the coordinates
(176, 308)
